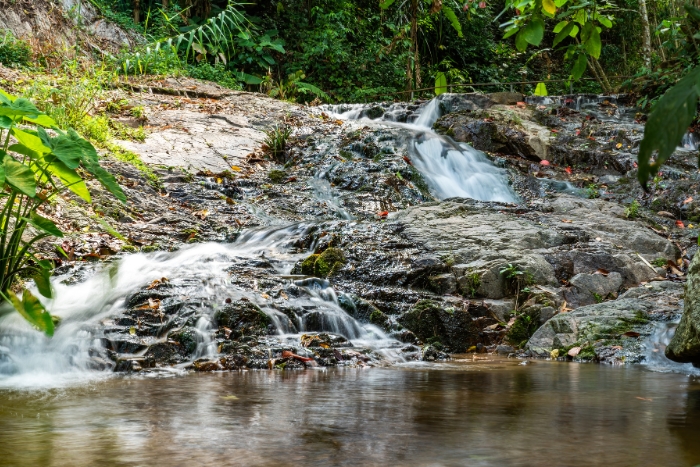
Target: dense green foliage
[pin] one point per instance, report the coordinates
(14, 52)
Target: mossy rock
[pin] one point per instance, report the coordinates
(187, 338)
(329, 262)
(243, 318)
(307, 266)
(277, 176)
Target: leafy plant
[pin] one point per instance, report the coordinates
(632, 210)
(37, 165)
(592, 191)
(290, 88)
(14, 52)
(515, 278)
(276, 141)
(580, 21)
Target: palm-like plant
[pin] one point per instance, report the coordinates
(36, 165)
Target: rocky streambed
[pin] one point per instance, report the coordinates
(347, 249)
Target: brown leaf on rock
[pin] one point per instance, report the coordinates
(602, 272)
(574, 351)
(631, 334)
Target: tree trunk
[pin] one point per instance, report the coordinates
(603, 77)
(594, 72)
(646, 35)
(137, 11)
(165, 4)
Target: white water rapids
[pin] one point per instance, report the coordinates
(201, 271)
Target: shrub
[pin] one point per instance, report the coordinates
(14, 52)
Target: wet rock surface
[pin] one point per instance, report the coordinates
(371, 252)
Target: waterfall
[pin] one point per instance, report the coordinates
(449, 168)
(656, 343)
(201, 272)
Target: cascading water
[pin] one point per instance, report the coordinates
(201, 273)
(450, 169)
(656, 346)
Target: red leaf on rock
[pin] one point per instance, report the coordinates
(568, 170)
(545, 162)
(383, 214)
(407, 160)
(680, 224)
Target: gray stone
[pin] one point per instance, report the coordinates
(593, 288)
(547, 313)
(589, 323)
(504, 349)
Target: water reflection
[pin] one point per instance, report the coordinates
(461, 413)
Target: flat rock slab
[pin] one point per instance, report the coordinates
(210, 133)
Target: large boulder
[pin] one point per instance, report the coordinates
(606, 320)
(685, 344)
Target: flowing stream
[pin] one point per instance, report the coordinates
(200, 272)
(59, 407)
(449, 168)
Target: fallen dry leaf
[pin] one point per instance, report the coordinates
(680, 224)
(631, 334)
(566, 221)
(602, 272)
(688, 200)
(574, 351)
(648, 399)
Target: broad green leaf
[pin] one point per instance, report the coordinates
(574, 31)
(580, 17)
(107, 180)
(592, 41)
(520, 41)
(33, 311)
(454, 21)
(560, 3)
(248, 79)
(549, 7)
(667, 123)
(386, 4)
(510, 31)
(70, 178)
(42, 279)
(560, 25)
(563, 34)
(21, 107)
(43, 120)
(541, 89)
(24, 150)
(44, 224)
(605, 21)
(579, 66)
(534, 31)
(6, 98)
(6, 122)
(67, 151)
(20, 176)
(440, 83)
(30, 141)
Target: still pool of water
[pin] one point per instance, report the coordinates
(462, 413)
